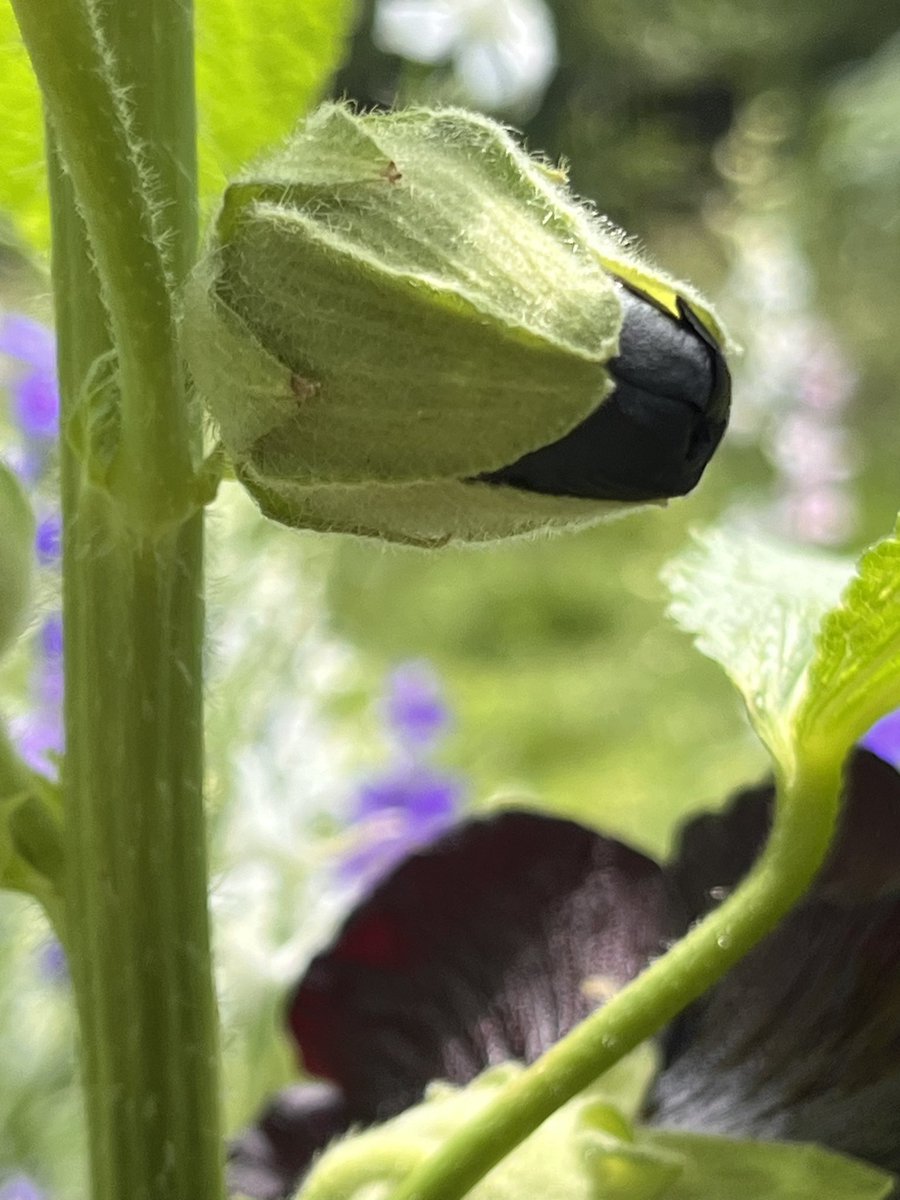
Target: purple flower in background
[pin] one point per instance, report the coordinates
(412, 802)
(48, 539)
(415, 708)
(52, 964)
(40, 738)
(20, 1187)
(35, 408)
(883, 739)
(34, 389)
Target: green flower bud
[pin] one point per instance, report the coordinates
(16, 556)
(405, 327)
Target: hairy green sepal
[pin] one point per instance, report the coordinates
(393, 304)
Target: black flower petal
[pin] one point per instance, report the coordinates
(475, 952)
(488, 946)
(652, 437)
(801, 1041)
(268, 1158)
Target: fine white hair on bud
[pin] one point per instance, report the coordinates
(405, 327)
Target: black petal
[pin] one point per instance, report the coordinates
(479, 949)
(489, 945)
(267, 1160)
(801, 1041)
(652, 437)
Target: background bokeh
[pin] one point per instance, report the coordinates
(751, 146)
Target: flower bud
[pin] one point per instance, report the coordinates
(405, 327)
(16, 556)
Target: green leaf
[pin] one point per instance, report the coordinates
(716, 1168)
(756, 607)
(855, 676)
(260, 67)
(812, 645)
(23, 183)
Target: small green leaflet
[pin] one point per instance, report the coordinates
(812, 644)
(755, 607)
(260, 67)
(717, 1168)
(855, 676)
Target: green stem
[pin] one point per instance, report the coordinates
(804, 825)
(136, 876)
(128, 211)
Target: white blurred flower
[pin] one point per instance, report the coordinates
(503, 51)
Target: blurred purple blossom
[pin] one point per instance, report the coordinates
(414, 705)
(35, 408)
(410, 803)
(20, 1187)
(48, 539)
(34, 390)
(883, 739)
(52, 637)
(40, 738)
(52, 964)
(394, 814)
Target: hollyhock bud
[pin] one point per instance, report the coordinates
(406, 327)
(16, 556)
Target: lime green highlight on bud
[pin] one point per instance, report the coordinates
(396, 313)
(16, 556)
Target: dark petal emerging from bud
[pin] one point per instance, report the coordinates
(395, 307)
(653, 435)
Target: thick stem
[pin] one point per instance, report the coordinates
(136, 873)
(804, 825)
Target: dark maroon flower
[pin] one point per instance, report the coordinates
(493, 942)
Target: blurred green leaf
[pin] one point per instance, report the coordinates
(855, 676)
(755, 607)
(716, 1168)
(260, 67)
(23, 191)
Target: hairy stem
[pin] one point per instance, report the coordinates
(130, 210)
(804, 825)
(135, 875)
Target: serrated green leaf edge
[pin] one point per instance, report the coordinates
(754, 606)
(854, 676)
